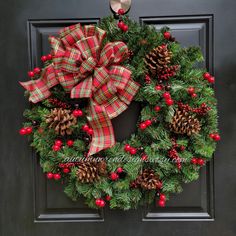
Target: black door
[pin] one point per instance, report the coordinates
(32, 206)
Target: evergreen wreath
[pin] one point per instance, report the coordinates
(90, 77)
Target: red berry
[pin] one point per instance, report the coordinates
(56, 176)
(66, 170)
(211, 80)
(147, 79)
(166, 95)
(206, 75)
(166, 35)
(58, 142)
(144, 157)
(98, 202)
(114, 176)
(90, 131)
(22, 131)
(56, 148)
(142, 126)
(212, 135)
(161, 203)
(169, 102)
(29, 130)
(49, 57)
(31, 74)
(85, 127)
(157, 108)
(108, 197)
(191, 90)
(148, 122)
(102, 203)
(37, 70)
(120, 24)
(182, 148)
(44, 58)
(133, 151)
(194, 95)
(70, 143)
(162, 197)
(216, 137)
(49, 175)
(194, 160)
(179, 166)
(200, 161)
(125, 28)
(159, 185)
(127, 147)
(77, 113)
(121, 11)
(119, 170)
(158, 87)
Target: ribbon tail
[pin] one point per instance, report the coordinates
(103, 133)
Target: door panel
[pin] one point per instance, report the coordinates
(28, 198)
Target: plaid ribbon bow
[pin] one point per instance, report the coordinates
(86, 70)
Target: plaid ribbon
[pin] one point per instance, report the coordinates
(87, 70)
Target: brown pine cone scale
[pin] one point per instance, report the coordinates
(61, 120)
(158, 60)
(184, 123)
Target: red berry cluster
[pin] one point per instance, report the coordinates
(116, 175)
(148, 79)
(34, 72)
(202, 110)
(167, 35)
(100, 202)
(168, 72)
(87, 129)
(144, 157)
(56, 102)
(26, 130)
(66, 167)
(215, 136)
(157, 108)
(55, 176)
(191, 92)
(46, 58)
(209, 77)
(168, 99)
(162, 200)
(58, 144)
(198, 161)
(173, 154)
(121, 23)
(130, 149)
(145, 124)
(77, 113)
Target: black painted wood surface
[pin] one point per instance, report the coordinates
(206, 207)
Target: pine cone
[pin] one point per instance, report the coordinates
(90, 171)
(184, 123)
(148, 180)
(61, 121)
(157, 60)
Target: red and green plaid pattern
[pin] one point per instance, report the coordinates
(85, 69)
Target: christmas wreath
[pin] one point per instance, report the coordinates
(91, 76)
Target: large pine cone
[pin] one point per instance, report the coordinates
(61, 121)
(148, 180)
(91, 171)
(184, 123)
(157, 60)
